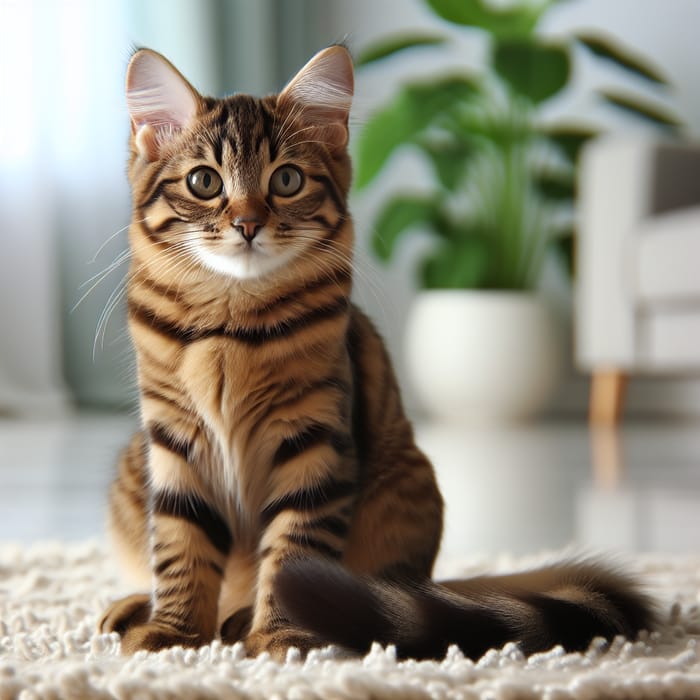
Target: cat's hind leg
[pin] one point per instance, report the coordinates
(127, 519)
(128, 530)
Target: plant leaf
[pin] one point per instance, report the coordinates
(409, 113)
(642, 109)
(393, 45)
(515, 21)
(400, 215)
(463, 264)
(537, 71)
(449, 159)
(570, 138)
(609, 49)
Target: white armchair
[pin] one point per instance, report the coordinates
(638, 297)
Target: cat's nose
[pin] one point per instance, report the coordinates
(247, 227)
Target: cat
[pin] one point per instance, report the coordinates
(275, 494)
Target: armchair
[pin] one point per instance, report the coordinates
(638, 296)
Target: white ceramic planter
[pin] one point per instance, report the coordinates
(483, 356)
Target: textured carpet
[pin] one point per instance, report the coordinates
(51, 595)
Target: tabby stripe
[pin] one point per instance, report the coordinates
(186, 206)
(162, 437)
(153, 181)
(323, 222)
(166, 291)
(222, 117)
(166, 564)
(174, 619)
(308, 499)
(174, 574)
(258, 142)
(317, 545)
(157, 396)
(233, 144)
(198, 151)
(170, 591)
(148, 317)
(218, 147)
(329, 383)
(331, 191)
(339, 277)
(197, 511)
(287, 327)
(312, 436)
(331, 234)
(268, 121)
(223, 203)
(158, 192)
(165, 225)
(255, 336)
(331, 524)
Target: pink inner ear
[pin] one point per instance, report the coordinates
(325, 85)
(157, 94)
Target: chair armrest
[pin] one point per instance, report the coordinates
(615, 185)
(624, 185)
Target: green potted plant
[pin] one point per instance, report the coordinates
(501, 201)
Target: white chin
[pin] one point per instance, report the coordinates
(242, 267)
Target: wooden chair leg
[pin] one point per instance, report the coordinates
(607, 457)
(607, 396)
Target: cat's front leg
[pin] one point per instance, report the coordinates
(312, 521)
(190, 543)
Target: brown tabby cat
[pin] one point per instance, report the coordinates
(275, 493)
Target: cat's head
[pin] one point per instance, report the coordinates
(240, 186)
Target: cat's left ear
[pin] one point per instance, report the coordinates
(160, 100)
(324, 88)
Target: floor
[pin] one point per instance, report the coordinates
(513, 490)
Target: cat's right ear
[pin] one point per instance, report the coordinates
(160, 100)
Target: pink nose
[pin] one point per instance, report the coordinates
(248, 228)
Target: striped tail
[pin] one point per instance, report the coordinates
(568, 604)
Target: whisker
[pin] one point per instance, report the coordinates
(101, 276)
(114, 264)
(114, 235)
(110, 306)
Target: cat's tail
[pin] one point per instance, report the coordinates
(568, 604)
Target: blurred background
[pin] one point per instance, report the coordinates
(535, 157)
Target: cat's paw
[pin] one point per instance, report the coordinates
(277, 642)
(155, 636)
(125, 613)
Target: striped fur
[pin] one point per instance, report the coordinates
(273, 431)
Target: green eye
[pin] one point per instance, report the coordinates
(286, 181)
(204, 182)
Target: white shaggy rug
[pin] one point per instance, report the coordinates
(51, 595)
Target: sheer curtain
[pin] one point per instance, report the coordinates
(47, 119)
(64, 203)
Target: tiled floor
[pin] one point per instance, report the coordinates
(508, 490)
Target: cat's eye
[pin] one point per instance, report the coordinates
(204, 182)
(286, 181)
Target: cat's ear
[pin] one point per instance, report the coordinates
(160, 100)
(324, 88)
